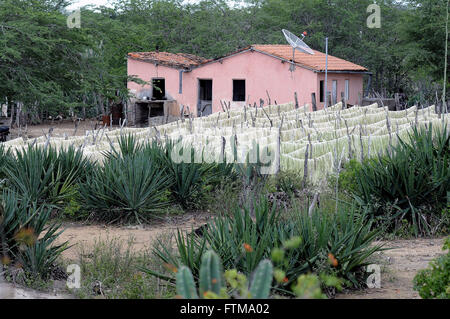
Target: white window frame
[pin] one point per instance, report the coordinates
(347, 90)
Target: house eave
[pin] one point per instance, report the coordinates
(158, 63)
(345, 72)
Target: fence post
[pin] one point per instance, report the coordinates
(344, 101)
(313, 99)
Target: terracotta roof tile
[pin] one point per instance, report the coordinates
(177, 60)
(314, 61)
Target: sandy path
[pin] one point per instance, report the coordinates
(81, 235)
(402, 263)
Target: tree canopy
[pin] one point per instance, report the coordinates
(52, 69)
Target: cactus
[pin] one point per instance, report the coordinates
(211, 273)
(185, 283)
(262, 280)
(212, 284)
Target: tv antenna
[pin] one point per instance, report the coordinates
(296, 43)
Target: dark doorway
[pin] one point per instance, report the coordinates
(239, 90)
(159, 89)
(204, 106)
(321, 94)
(117, 113)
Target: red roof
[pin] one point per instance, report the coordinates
(177, 60)
(314, 61)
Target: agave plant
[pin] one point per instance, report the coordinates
(131, 186)
(410, 183)
(5, 157)
(46, 175)
(27, 237)
(128, 146)
(188, 176)
(339, 243)
(242, 241)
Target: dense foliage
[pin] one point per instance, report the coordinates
(53, 69)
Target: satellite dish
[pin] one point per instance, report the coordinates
(296, 43)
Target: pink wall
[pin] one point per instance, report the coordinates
(260, 71)
(355, 86)
(147, 71)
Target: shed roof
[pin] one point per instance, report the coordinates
(177, 60)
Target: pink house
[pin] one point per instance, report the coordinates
(244, 76)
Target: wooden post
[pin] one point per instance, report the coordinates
(222, 159)
(310, 146)
(305, 168)
(182, 113)
(397, 101)
(261, 101)
(344, 101)
(278, 163)
(245, 112)
(313, 100)
(361, 142)
(350, 153)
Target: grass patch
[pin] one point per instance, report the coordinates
(110, 270)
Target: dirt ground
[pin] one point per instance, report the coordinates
(79, 235)
(68, 127)
(401, 263)
(59, 128)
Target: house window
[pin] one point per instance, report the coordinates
(238, 90)
(347, 93)
(159, 89)
(321, 94)
(334, 92)
(205, 93)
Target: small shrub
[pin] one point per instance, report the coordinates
(347, 177)
(111, 270)
(434, 282)
(288, 182)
